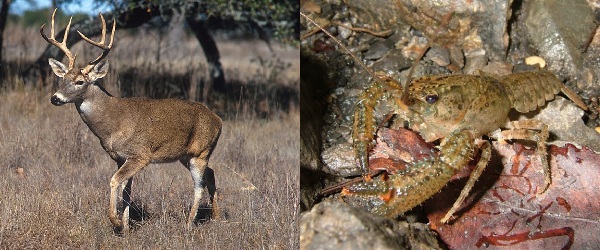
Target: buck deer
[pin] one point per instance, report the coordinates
(136, 131)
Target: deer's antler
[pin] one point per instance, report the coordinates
(61, 45)
(105, 48)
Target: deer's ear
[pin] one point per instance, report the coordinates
(100, 70)
(59, 69)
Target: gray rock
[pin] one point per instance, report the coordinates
(379, 49)
(438, 55)
(393, 62)
(339, 160)
(446, 22)
(345, 33)
(336, 225)
(560, 32)
(474, 60)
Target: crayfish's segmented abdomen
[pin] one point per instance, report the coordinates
(529, 90)
(402, 192)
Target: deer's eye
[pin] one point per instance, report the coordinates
(79, 83)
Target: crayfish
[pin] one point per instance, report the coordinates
(457, 110)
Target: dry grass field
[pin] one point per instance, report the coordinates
(54, 174)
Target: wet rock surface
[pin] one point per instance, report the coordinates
(455, 37)
(561, 32)
(335, 225)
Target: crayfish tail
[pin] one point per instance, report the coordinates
(574, 97)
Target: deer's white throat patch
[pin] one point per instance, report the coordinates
(86, 107)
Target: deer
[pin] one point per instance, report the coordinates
(136, 131)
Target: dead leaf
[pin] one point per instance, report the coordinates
(504, 212)
(396, 148)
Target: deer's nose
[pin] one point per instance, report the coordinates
(56, 101)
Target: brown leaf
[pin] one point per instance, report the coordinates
(503, 210)
(396, 148)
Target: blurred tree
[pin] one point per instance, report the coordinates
(34, 18)
(3, 17)
(265, 19)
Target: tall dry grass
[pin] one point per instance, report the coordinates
(54, 174)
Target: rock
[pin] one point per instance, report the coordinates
(311, 6)
(339, 160)
(474, 60)
(415, 47)
(590, 83)
(393, 62)
(498, 68)
(446, 23)
(560, 32)
(379, 49)
(457, 57)
(335, 225)
(377, 13)
(345, 33)
(438, 55)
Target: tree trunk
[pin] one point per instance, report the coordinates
(3, 17)
(209, 46)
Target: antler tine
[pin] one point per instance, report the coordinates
(61, 45)
(100, 44)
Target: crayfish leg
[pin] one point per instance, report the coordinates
(404, 191)
(536, 131)
(364, 127)
(375, 187)
(486, 154)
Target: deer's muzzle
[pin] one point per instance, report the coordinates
(56, 101)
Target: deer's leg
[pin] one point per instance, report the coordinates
(126, 171)
(127, 193)
(126, 196)
(198, 167)
(209, 180)
(126, 204)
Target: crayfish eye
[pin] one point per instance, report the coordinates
(431, 99)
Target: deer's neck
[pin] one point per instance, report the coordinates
(97, 110)
(93, 101)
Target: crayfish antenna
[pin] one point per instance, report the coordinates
(367, 69)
